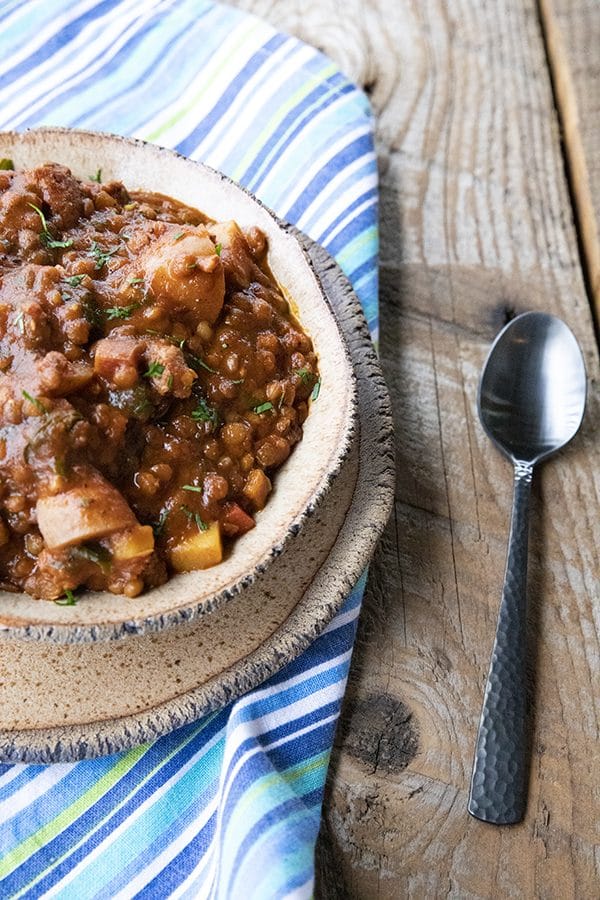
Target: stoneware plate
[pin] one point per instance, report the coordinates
(302, 484)
(62, 702)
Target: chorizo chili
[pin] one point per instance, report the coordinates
(152, 378)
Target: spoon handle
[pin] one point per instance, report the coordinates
(498, 783)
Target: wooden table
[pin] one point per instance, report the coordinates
(488, 118)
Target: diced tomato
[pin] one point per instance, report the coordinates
(234, 520)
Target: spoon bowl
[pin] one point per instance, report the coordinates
(533, 388)
(531, 403)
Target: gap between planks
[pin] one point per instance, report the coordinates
(574, 156)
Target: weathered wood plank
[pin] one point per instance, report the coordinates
(572, 29)
(476, 226)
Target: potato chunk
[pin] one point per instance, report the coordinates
(91, 510)
(236, 255)
(185, 270)
(200, 550)
(133, 543)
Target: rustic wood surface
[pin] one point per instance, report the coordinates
(572, 34)
(477, 224)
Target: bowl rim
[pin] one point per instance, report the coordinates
(13, 626)
(74, 742)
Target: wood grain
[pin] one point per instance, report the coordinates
(572, 30)
(476, 225)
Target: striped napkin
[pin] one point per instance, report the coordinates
(228, 806)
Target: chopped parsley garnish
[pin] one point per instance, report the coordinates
(67, 599)
(304, 375)
(97, 177)
(96, 553)
(158, 527)
(60, 466)
(142, 407)
(264, 407)
(101, 256)
(178, 236)
(194, 517)
(154, 370)
(91, 312)
(6, 165)
(316, 390)
(46, 238)
(191, 487)
(136, 281)
(120, 312)
(170, 382)
(37, 403)
(167, 337)
(205, 413)
(74, 280)
(196, 361)
(218, 248)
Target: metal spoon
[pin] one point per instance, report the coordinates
(531, 403)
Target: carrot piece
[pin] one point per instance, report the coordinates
(234, 520)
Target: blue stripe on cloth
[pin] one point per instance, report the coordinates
(56, 42)
(188, 145)
(159, 764)
(348, 154)
(228, 806)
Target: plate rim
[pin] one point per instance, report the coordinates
(76, 742)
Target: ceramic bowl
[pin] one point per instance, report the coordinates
(301, 484)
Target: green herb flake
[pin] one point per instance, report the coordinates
(91, 312)
(194, 517)
(95, 553)
(46, 238)
(101, 256)
(304, 375)
(129, 206)
(142, 407)
(158, 527)
(67, 599)
(74, 280)
(170, 382)
(37, 403)
(97, 177)
(218, 248)
(154, 370)
(6, 165)
(60, 467)
(191, 487)
(263, 407)
(316, 390)
(199, 363)
(120, 312)
(178, 236)
(205, 413)
(136, 281)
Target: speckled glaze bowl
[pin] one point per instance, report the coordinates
(305, 480)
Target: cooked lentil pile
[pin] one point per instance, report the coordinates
(152, 378)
